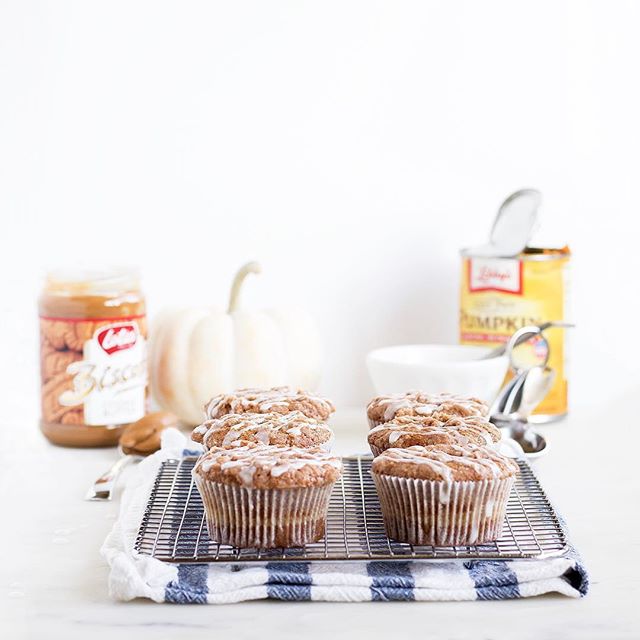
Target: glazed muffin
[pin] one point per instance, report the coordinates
(418, 403)
(445, 495)
(285, 430)
(275, 400)
(265, 496)
(407, 431)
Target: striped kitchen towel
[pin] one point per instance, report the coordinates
(134, 575)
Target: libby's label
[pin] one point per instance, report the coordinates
(487, 274)
(93, 371)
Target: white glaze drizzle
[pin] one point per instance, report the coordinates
(393, 406)
(264, 400)
(264, 424)
(425, 404)
(394, 435)
(408, 426)
(426, 409)
(276, 461)
(485, 462)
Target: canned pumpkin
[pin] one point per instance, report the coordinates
(498, 296)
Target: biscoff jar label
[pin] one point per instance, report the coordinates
(498, 296)
(93, 370)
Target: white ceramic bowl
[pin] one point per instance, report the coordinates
(435, 368)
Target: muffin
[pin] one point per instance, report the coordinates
(407, 431)
(417, 403)
(284, 430)
(265, 496)
(449, 495)
(275, 400)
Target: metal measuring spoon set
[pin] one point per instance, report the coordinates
(531, 382)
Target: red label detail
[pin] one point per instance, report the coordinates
(470, 336)
(117, 337)
(490, 275)
(487, 274)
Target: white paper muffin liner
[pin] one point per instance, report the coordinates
(375, 450)
(328, 445)
(429, 512)
(267, 518)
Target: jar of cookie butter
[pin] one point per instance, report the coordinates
(92, 355)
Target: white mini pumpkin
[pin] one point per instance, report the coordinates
(195, 354)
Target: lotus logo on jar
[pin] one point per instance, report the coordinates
(118, 337)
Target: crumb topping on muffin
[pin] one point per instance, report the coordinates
(274, 400)
(282, 429)
(492, 432)
(419, 403)
(406, 431)
(268, 467)
(447, 463)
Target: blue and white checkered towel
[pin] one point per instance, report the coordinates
(134, 575)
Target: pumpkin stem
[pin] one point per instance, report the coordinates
(243, 272)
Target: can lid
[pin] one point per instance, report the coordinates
(513, 227)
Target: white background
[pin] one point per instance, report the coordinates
(352, 147)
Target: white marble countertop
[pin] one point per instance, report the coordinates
(54, 583)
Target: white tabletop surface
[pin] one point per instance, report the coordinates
(53, 582)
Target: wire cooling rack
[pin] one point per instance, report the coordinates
(173, 528)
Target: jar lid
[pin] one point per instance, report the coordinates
(513, 226)
(92, 280)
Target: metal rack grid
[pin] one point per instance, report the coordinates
(173, 528)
